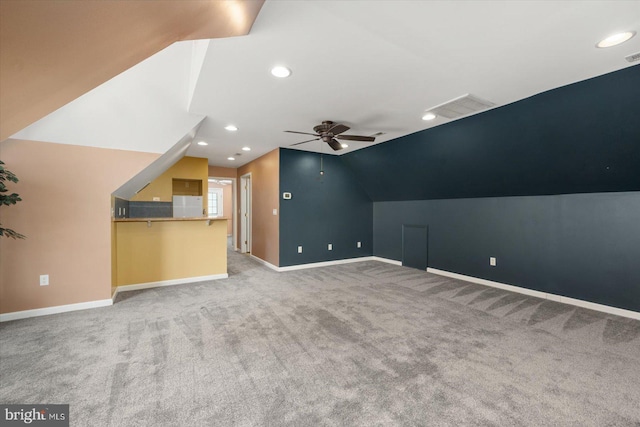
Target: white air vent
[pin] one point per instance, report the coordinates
(461, 106)
(633, 58)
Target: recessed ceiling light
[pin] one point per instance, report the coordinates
(202, 143)
(343, 145)
(280, 71)
(231, 128)
(246, 149)
(231, 158)
(616, 39)
(429, 116)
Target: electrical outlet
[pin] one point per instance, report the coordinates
(275, 211)
(156, 199)
(330, 247)
(44, 280)
(359, 244)
(299, 249)
(492, 261)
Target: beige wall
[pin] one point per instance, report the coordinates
(66, 216)
(265, 189)
(220, 172)
(51, 52)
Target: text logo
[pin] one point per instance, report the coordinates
(34, 415)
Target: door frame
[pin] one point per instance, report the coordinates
(245, 213)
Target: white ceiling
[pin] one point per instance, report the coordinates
(142, 109)
(375, 66)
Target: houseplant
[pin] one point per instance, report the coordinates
(8, 199)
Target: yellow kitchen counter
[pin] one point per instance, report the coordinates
(164, 251)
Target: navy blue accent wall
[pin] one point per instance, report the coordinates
(547, 185)
(331, 208)
(580, 138)
(584, 246)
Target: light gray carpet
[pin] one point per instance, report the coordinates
(357, 344)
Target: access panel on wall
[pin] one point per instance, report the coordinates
(414, 246)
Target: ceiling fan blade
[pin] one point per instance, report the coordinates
(335, 144)
(338, 128)
(298, 143)
(303, 133)
(357, 138)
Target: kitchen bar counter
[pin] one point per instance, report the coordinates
(200, 218)
(161, 251)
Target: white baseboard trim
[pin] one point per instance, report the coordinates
(263, 262)
(173, 282)
(323, 263)
(387, 260)
(16, 315)
(544, 295)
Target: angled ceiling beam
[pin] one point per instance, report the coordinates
(52, 52)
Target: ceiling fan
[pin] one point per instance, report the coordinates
(330, 132)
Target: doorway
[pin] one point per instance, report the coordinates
(245, 213)
(221, 202)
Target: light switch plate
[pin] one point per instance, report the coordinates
(330, 246)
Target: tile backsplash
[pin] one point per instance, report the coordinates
(150, 210)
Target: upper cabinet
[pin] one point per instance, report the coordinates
(187, 187)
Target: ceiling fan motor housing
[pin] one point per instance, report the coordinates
(325, 126)
(328, 131)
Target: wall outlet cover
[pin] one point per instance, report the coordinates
(286, 196)
(44, 280)
(359, 244)
(330, 246)
(299, 249)
(492, 261)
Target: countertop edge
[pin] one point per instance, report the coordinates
(167, 219)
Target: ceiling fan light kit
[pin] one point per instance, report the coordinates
(330, 133)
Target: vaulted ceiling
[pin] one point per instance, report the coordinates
(52, 52)
(374, 66)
